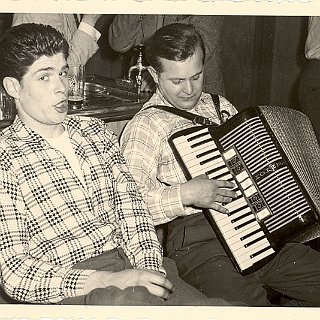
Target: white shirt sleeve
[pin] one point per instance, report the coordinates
(91, 31)
(312, 47)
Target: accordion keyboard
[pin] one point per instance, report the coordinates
(240, 229)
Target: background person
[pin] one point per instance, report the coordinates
(130, 30)
(82, 36)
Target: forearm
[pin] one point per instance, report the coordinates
(81, 48)
(164, 203)
(312, 46)
(137, 236)
(39, 282)
(140, 241)
(143, 160)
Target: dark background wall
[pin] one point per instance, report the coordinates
(263, 58)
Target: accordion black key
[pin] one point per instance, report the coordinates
(273, 157)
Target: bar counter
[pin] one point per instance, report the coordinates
(114, 101)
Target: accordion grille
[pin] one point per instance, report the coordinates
(256, 145)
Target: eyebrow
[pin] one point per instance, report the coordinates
(176, 78)
(49, 69)
(42, 69)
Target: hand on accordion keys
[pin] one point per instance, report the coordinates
(206, 193)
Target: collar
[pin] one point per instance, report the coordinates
(158, 99)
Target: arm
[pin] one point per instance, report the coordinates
(134, 227)
(151, 162)
(137, 235)
(24, 277)
(312, 46)
(82, 44)
(142, 146)
(125, 32)
(33, 280)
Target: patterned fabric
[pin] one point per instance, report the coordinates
(150, 159)
(50, 221)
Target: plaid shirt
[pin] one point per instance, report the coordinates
(150, 159)
(50, 221)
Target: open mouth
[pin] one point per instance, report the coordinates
(62, 105)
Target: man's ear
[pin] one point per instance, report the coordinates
(154, 74)
(12, 86)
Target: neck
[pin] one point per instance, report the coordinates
(44, 130)
(54, 133)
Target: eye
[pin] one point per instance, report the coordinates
(177, 81)
(44, 77)
(196, 77)
(63, 74)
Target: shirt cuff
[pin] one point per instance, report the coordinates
(90, 30)
(74, 282)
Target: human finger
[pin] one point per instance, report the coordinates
(160, 286)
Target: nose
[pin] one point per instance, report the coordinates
(62, 84)
(188, 87)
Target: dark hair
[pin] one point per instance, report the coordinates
(176, 41)
(22, 45)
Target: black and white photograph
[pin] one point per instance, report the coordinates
(159, 159)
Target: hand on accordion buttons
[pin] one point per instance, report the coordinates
(203, 192)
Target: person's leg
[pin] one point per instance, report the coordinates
(203, 263)
(295, 272)
(217, 278)
(112, 296)
(116, 260)
(185, 294)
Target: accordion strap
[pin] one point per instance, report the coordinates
(216, 103)
(196, 119)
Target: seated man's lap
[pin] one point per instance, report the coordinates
(210, 270)
(116, 260)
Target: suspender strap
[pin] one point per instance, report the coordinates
(196, 119)
(216, 103)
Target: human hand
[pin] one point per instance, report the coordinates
(156, 283)
(91, 19)
(203, 192)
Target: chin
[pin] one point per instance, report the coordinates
(187, 106)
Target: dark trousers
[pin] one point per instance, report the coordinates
(116, 260)
(294, 271)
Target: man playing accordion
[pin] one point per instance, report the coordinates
(176, 55)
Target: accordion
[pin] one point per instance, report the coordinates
(272, 155)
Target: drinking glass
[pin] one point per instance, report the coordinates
(76, 86)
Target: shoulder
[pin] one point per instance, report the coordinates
(44, 18)
(89, 125)
(150, 126)
(224, 103)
